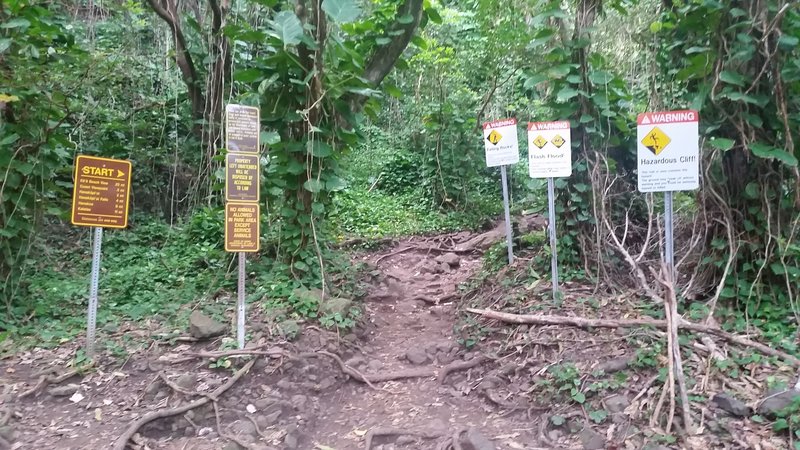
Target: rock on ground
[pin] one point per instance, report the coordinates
(772, 404)
(731, 405)
(451, 259)
(203, 327)
(416, 356)
(592, 440)
(475, 440)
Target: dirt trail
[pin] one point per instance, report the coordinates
(408, 333)
(296, 396)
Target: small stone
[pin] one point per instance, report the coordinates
(451, 259)
(263, 403)
(289, 329)
(285, 384)
(438, 425)
(232, 446)
(203, 327)
(614, 365)
(336, 305)
(299, 402)
(186, 381)
(731, 405)
(592, 440)
(265, 420)
(205, 431)
(7, 433)
(64, 391)
(188, 431)
(355, 362)
(416, 356)
(405, 440)
(250, 408)
(617, 403)
(374, 365)
(474, 440)
(244, 427)
(445, 358)
(771, 405)
(554, 435)
(291, 441)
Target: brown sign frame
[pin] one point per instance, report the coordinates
(230, 222)
(242, 144)
(243, 196)
(105, 209)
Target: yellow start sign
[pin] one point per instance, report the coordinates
(101, 193)
(494, 137)
(656, 140)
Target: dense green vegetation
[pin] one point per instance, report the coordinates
(370, 127)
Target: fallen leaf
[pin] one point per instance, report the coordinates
(10, 370)
(360, 433)
(98, 414)
(76, 397)
(322, 447)
(250, 408)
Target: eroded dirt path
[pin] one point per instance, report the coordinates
(413, 329)
(297, 395)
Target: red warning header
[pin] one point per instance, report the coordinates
(538, 126)
(668, 117)
(499, 123)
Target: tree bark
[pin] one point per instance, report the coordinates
(386, 57)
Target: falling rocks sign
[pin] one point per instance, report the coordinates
(500, 139)
(668, 151)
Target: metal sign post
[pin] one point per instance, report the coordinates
(669, 257)
(100, 199)
(97, 243)
(502, 149)
(550, 156)
(240, 304)
(242, 194)
(551, 213)
(507, 208)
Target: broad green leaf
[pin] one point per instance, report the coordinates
(533, 80)
(560, 71)
(655, 27)
(600, 77)
(247, 75)
(722, 143)
(5, 44)
(393, 91)
(320, 149)
(335, 183)
(270, 137)
(313, 185)
(420, 42)
(732, 78)
(383, 41)
(18, 22)
(433, 15)
(788, 42)
(566, 94)
(288, 27)
(770, 152)
(341, 11)
(406, 19)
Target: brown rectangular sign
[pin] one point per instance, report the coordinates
(101, 193)
(241, 177)
(242, 128)
(242, 228)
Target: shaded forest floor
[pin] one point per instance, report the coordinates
(416, 373)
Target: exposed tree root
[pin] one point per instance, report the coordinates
(122, 441)
(582, 322)
(378, 432)
(460, 365)
(45, 380)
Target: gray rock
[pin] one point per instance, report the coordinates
(265, 420)
(289, 329)
(731, 404)
(772, 404)
(65, 390)
(336, 305)
(8, 433)
(475, 440)
(416, 356)
(186, 381)
(244, 427)
(374, 365)
(405, 440)
(355, 361)
(203, 327)
(292, 439)
(617, 403)
(232, 446)
(444, 268)
(299, 402)
(615, 365)
(592, 440)
(451, 259)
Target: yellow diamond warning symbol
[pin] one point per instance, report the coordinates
(540, 141)
(558, 141)
(494, 137)
(656, 141)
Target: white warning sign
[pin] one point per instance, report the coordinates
(549, 149)
(668, 151)
(500, 138)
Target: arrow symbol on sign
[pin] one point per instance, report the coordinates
(120, 173)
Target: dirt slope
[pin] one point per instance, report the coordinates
(296, 395)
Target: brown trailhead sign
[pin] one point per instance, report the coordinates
(242, 128)
(242, 227)
(241, 177)
(101, 193)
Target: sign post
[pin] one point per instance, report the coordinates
(550, 156)
(502, 149)
(668, 160)
(100, 199)
(242, 212)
